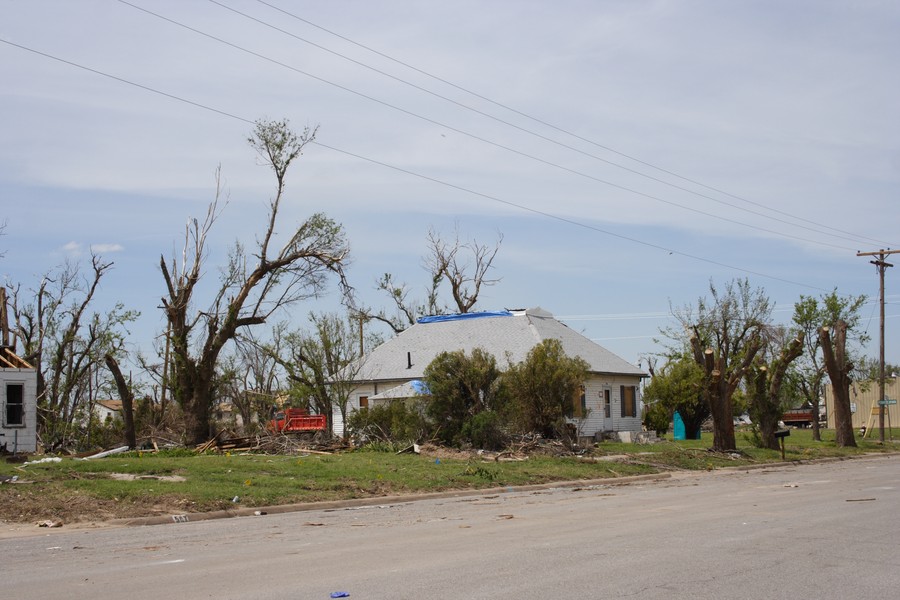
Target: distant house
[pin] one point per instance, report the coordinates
(108, 410)
(611, 398)
(18, 403)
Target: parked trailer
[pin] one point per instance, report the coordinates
(297, 420)
(798, 417)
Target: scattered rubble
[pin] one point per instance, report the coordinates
(133, 477)
(49, 459)
(50, 523)
(273, 444)
(106, 453)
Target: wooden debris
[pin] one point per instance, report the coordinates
(273, 444)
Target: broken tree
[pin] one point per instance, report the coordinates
(252, 286)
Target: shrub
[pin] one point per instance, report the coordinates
(462, 386)
(545, 387)
(657, 418)
(484, 431)
(396, 421)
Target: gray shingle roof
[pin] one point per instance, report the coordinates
(410, 389)
(505, 336)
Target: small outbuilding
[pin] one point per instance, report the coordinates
(18, 403)
(864, 407)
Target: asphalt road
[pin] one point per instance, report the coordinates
(819, 531)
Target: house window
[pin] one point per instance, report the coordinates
(629, 400)
(364, 402)
(14, 411)
(607, 403)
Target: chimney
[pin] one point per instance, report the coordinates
(409, 360)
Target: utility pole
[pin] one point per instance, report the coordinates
(4, 319)
(362, 349)
(881, 265)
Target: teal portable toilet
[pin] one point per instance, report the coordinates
(678, 427)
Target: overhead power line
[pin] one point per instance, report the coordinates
(529, 131)
(483, 139)
(447, 184)
(126, 81)
(844, 233)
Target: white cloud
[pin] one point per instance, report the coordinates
(106, 248)
(72, 248)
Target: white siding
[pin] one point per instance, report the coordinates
(596, 421)
(20, 439)
(365, 389)
(593, 423)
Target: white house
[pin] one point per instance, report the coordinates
(611, 400)
(18, 403)
(108, 410)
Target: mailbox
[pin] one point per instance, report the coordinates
(780, 435)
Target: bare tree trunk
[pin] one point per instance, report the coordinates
(720, 403)
(197, 413)
(4, 320)
(765, 393)
(196, 383)
(721, 406)
(816, 430)
(719, 387)
(765, 414)
(127, 400)
(839, 368)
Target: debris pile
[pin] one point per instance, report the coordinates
(273, 444)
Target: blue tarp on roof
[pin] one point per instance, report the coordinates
(420, 387)
(410, 389)
(463, 316)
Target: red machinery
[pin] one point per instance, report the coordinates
(798, 417)
(297, 420)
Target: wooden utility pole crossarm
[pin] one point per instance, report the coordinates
(881, 265)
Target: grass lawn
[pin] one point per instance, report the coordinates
(142, 484)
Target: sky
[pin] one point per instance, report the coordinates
(629, 152)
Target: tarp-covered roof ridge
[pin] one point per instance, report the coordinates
(464, 316)
(410, 389)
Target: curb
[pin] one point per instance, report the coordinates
(258, 511)
(375, 501)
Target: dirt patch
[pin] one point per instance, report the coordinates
(33, 503)
(447, 453)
